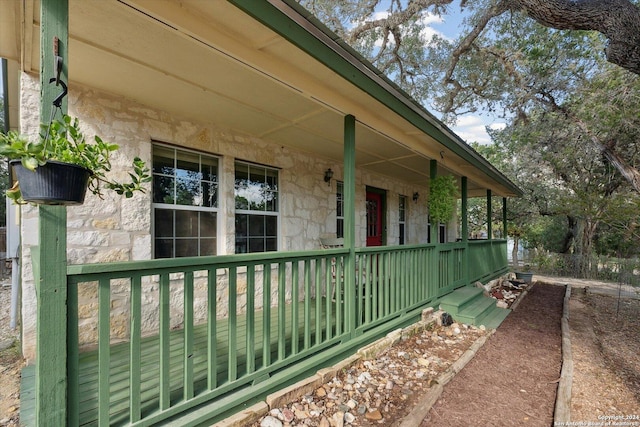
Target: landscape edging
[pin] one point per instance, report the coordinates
(562, 412)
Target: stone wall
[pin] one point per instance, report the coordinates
(119, 229)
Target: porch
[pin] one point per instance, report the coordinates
(288, 314)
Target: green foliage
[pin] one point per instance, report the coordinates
(443, 191)
(63, 141)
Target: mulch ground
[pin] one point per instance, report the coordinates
(512, 380)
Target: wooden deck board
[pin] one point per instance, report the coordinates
(150, 361)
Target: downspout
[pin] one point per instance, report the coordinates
(12, 215)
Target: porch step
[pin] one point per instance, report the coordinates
(493, 318)
(475, 310)
(457, 300)
(469, 305)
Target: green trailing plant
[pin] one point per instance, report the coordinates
(63, 141)
(443, 191)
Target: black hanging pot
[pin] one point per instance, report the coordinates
(55, 183)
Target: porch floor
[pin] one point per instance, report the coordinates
(150, 362)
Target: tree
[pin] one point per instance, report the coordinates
(504, 61)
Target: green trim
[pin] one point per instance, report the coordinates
(489, 216)
(325, 46)
(51, 282)
(349, 188)
(5, 91)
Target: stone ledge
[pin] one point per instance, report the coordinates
(246, 417)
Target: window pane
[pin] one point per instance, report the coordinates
(256, 245)
(256, 225)
(401, 234)
(208, 225)
(187, 223)
(188, 165)
(241, 226)
(163, 189)
(164, 248)
(210, 195)
(207, 247)
(188, 192)
(163, 161)
(271, 226)
(186, 247)
(272, 244)
(163, 223)
(241, 245)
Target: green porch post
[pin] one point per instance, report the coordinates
(350, 219)
(489, 215)
(433, 172)
(50, 277)
(464, 190)
(504, 218)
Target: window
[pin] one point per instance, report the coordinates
(185, 202)
(442, 233)
(340, 209)
(402, 224)
(256, 202)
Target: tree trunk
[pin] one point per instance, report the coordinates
(514, 252)
(617, 20)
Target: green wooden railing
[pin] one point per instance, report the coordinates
(487, 259)
(195, 330)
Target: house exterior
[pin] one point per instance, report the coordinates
(266, 136)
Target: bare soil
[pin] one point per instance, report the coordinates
(10, 362)
(512, 380)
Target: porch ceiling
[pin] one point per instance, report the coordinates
(210, 61)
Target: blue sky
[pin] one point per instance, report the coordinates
(470, 127)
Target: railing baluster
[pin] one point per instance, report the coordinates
(187, 354)
(251, 323)
(104, 350)
(339, 293)
(135, 348)
(318, 328)
(368, 295)
(232, 366)
(295, 306)
(329, 293)
(165, 341)
(282, 331)
(73, 347)
(307, 303)
(266, 316)
(212, 329)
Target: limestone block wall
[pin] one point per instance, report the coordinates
(120, 229)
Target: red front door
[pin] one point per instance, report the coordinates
(374, 219)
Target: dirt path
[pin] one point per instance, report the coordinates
(605, 338)
(512, 380)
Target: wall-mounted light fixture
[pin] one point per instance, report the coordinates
(415, 197)
(328, 174)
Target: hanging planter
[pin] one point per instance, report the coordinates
(59, 167)
(54, 183)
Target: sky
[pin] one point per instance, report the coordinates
(470, 127)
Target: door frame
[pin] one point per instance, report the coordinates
(383, 217)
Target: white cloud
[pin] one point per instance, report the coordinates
(473, 128)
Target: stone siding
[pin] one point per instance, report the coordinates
(119, 229)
